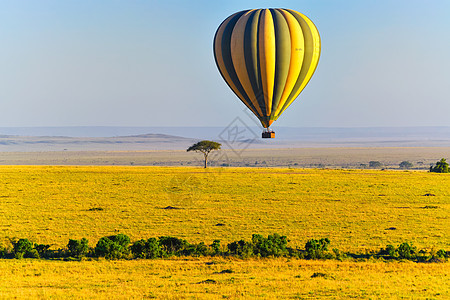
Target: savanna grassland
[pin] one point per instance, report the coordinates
(348, 157)
(358, 210)
(210, 279)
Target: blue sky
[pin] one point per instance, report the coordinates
(150, 63)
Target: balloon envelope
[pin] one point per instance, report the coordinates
(267, 56)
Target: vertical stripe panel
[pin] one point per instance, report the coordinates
(222, 55)
(267, 57)
(311, 58)
(239, 59)
(283, 57)
(251, 58)
(297, 54)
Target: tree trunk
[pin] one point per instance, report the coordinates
(206, 160)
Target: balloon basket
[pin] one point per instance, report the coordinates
(268, 135)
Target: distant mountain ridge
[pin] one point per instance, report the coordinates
(152, 136)
(290, 133)
(235, 136)
(150, 141)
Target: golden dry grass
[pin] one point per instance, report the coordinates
(335, 157)
(198, 278)
(352, 207)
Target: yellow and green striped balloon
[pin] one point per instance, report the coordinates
(267, 56)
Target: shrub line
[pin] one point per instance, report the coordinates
(119, 247)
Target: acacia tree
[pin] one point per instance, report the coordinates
(205, 147)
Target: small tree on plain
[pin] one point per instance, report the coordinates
(440, 167)
(405, 165)
(375, 164)
(204, 147)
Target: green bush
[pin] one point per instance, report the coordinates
(388, 252)
(440, 167)
(167, 246)
(78, 248)
(33, 253)
(442, 253)
(153, 248)
(273, 245)
(338, 254)
(146, 249)
(241, 248)
(113, 247)
(315, 249)
(406, 251)
(104, 247)
(23, 248)
(201, 249)
(138, 249)
(295, 252)
(172, 245)
(121, 239)
(4, 253)
(215, 246)
(391, 251)
(43, 250)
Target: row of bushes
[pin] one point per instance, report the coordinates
(119, 247)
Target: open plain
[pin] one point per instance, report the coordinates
(358, 210)
(322, 157)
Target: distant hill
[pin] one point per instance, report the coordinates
(149, 141)
(235, 136)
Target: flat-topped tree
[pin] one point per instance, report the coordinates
(204, 147)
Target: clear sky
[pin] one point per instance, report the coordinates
(150, 63)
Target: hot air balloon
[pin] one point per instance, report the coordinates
(267, 56)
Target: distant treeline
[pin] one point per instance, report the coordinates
(119, 247)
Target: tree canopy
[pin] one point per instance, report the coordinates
(204, 147)
(405, 165)
(375, 164)
(440, 167)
